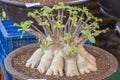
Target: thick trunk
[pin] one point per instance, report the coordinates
(34, 60)
(55, 61)
(71, 66)
(57, 64)
(86, 63)
(46, 60)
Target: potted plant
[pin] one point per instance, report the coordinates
(61, 52)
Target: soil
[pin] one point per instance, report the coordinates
(43, 1)
(19, 61)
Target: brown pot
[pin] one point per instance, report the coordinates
(92, 49)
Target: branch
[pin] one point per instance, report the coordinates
(62, 15)
(61, 18)
(35, 33)
(83, 39)
(51, 23)
(38, 30)
(38, 21)
(47, 29)
(67, 24)
(78, 27)
(58, 16)
(72, 27)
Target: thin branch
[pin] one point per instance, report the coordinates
(81, 39)
(58, 16)
(38, 21)
(67, 24)
(77, 30)
(72, 28)
(51, 23)
(35, 33)
(37, 30)
(78, 27)
(62, 15)
(47, 29)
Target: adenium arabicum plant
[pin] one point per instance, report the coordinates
(66, 29)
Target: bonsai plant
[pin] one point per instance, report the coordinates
(62, 51)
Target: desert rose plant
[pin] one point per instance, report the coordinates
(66, 29)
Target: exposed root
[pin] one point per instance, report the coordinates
(55, 61)
(46, 60)
(34, 60)
(84, 66)
(57, 64)
(71, 67)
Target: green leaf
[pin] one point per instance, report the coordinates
(85, 32)
(24, 25)
(96, 33)
(92, 39)
(20, 30)
(45, 23)
(30, 14)
(21, 36)
(46, 11)
(74, 20)
(59, 25)
(59, 6)
(67, 37)
(45, 44)
(74, 49)
(15, 24)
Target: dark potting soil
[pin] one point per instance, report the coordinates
(43, 1)
(19, 61)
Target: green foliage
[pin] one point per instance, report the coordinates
(46, 11)
(24, 26)
(98, 32)
(88, 35)
(45, 23)
(58, 24)
(74, 20)
(33, 14)
(74, 49)
(72, 10)
(45, 45)
(67, 37)
(59, 6)
(78, 20)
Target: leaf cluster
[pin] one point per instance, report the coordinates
(66, 23)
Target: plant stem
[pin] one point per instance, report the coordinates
(67, 24)
(58, 16)
(62, 13)
(78, 27)
(38, 30)
(81, 39)
(47, 29)
(35, 33)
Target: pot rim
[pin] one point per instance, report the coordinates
(16, 3)
(109, 57)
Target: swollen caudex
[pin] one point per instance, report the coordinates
(62, 51)
(54, 62)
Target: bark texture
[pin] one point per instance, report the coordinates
(54, 61)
